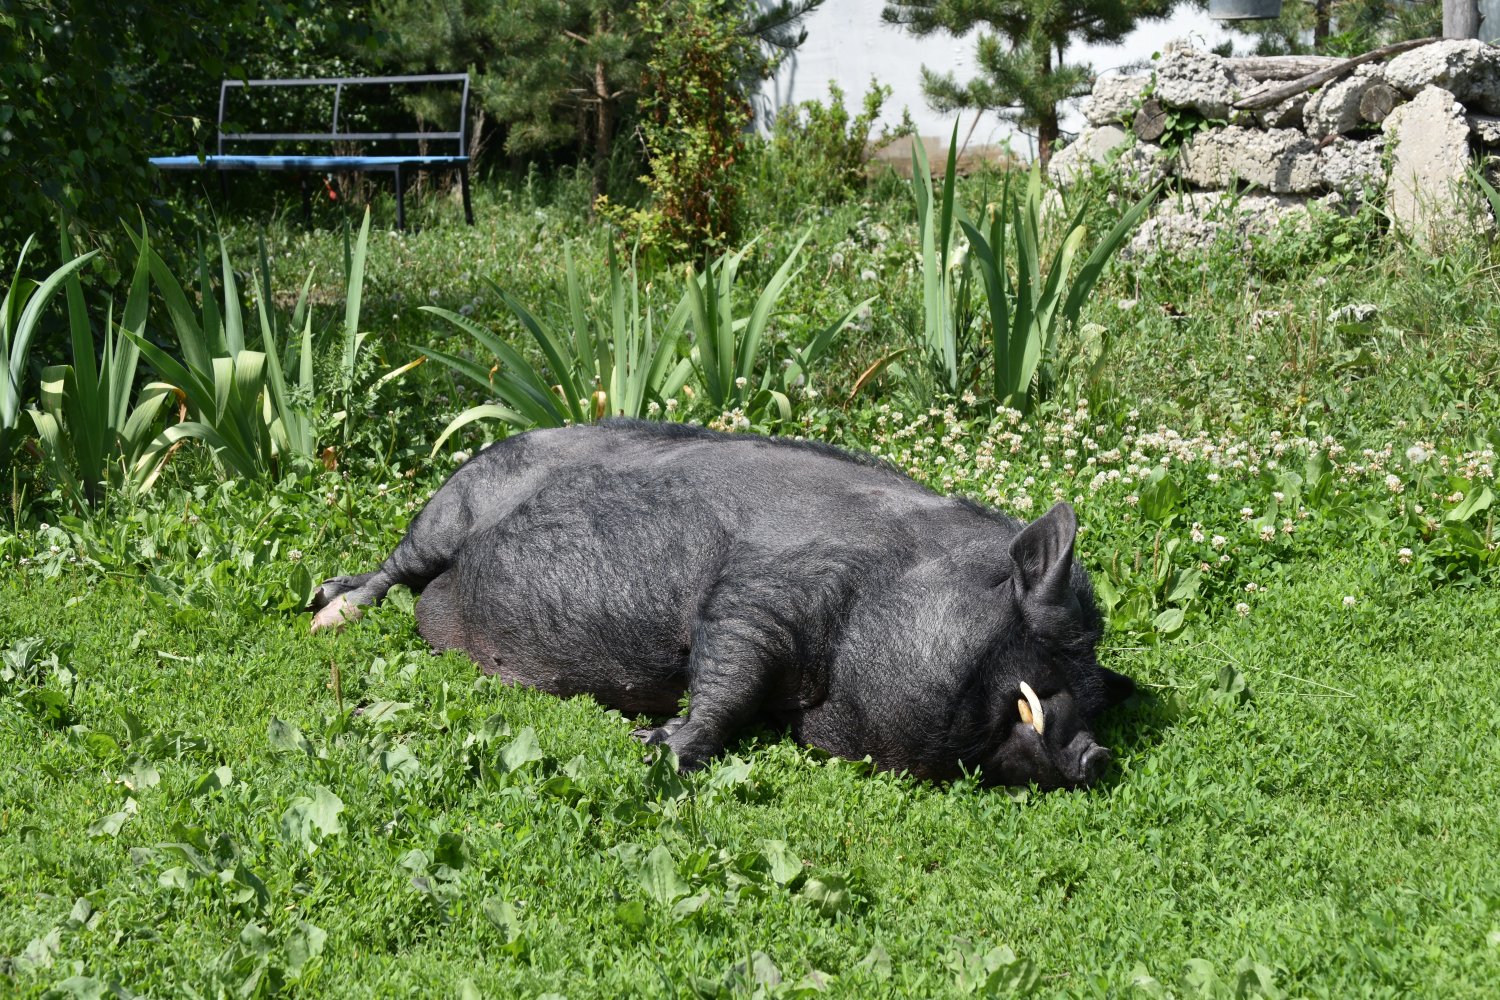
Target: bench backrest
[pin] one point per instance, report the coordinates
(338, 83)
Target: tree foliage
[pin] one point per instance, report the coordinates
(89, 89)
(1338, 27)
(1022, 49)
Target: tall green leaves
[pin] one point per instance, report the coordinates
(218, 376)
(1029, 299)
(90, 435)
(613, 363)
(945, 319)
(19, 313)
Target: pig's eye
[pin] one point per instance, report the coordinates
(1030, 707)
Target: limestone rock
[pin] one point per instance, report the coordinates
(1465, 67)
(1196, 221)
(1287, 114)
(1334, 109)
(1142, 166)
(1352, 167)
(1092, 146)
(1202, 81)
(1114, 97)
(1281, 161)
(1485, 128)
(1426, 193)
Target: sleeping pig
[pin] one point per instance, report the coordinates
(774, 581)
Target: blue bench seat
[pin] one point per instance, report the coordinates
(309, 163)
(401, 166)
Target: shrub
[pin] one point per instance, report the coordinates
(693, 118)
(815, 154)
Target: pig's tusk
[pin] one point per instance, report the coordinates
(1031, 709)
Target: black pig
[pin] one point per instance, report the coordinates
(773, 580)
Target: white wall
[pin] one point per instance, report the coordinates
(848, 43)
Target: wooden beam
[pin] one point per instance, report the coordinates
(1460, 19)
(1262, 68)
(1264, 98)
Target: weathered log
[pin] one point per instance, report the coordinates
(1460, 19)
(1262, 68)
(1150, 121)
(1377, 102)
(1264, 98)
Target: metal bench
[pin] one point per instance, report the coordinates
(400, 166)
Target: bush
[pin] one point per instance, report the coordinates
(693, 118)
(816, 152)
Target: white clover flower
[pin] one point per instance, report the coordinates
(1349, 601)
(44, 526)
(672, 404)
(1213, 477)
(1267, 532)
(1243, 609)
(295, 555)
(1279, 496)
(1394, 484)
(1197, 533)
(53, 549)
(1132, 499)
(1403, 556)
(741, 382)
(653, 407)
(1246, 513)
(459, 458)
(1224, 558)
(1251, 588)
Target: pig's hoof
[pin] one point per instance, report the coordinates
(328, 590)
(655, 735)
(335, 614)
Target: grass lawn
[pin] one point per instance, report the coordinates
(1291, 521)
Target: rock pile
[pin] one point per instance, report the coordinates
(1402, 130)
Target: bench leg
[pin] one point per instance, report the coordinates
(463, 183)
(400, 202)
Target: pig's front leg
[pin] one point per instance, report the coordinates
(731, 675)
(747, 645)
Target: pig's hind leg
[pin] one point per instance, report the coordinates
(342, 599)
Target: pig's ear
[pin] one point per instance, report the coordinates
(1117, 687)
(1043, 557)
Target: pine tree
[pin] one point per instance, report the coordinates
(556, 73)
(1022, 51)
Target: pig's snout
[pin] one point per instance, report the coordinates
(1093, 764)
(1082, 760)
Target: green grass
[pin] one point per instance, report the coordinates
(1338, 827)
(1304, 796)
